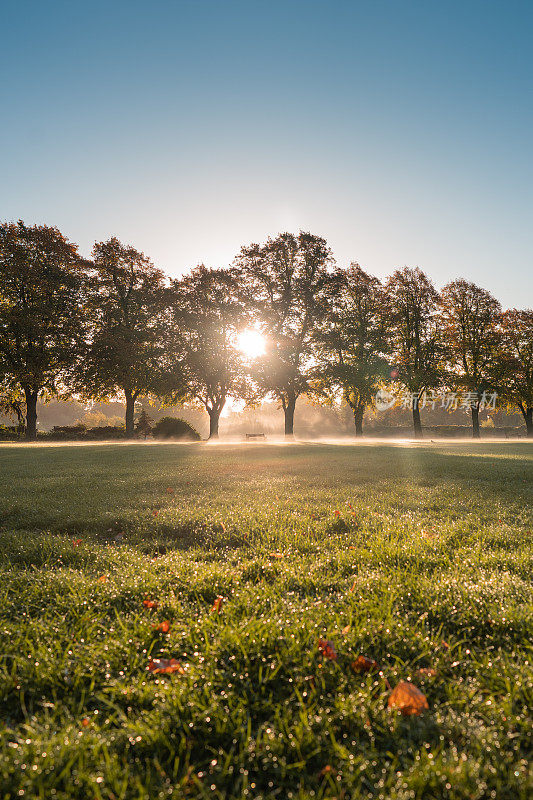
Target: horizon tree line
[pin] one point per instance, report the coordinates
(115, 325)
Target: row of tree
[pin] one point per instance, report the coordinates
(115, 325)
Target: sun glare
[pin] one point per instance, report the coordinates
(252, 343)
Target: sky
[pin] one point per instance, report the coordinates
(400, 131)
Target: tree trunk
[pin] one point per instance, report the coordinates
(289, 407)
(31, 413)
(416, 421)
(475, 423)
(358, 419)
(528, 416)
(130, 410)
(214, 416)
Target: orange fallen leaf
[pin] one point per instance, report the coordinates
(165, 666)
(346, 629)
(76, 542)
(326, 770)
(217, 605)
(102, 579)
(337, 513)
(275, 555)
(85, 721)
(364, 664)
(407, 699)
(153, 604)
(170, 490)
(327, 649)
(155, 513)
(164, 626)
(352, 587)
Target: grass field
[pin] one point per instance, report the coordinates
(418, 557)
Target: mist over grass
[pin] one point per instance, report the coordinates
(417, 556)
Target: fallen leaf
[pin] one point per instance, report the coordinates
(164, 626)
(85, 721)
(337, 513)
(346, 629)
(352, 587)
(170, 490)
(217, 605)
(76, 542)
(155, 513)
(153, 604)
(102, 579)
(407, 699)
(364, 664)
(165, 666)
(275, 555)
(327, 649)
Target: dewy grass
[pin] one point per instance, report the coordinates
(416, 556)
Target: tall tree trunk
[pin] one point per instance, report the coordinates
(528, 417)
(214, 416)
(130, 410)
(416, 421)
(289, 407)
(31, 413)
(475, 422)
(358, 419)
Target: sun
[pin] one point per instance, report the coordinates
(251, 343)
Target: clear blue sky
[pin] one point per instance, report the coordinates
(401, 131)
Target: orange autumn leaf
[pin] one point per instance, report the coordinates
(364, 664)
(76, 542)
(407, 699)
(275, 555)
(165, 666)
(352, 587)
(155, 513)
(153, 604)
(346, 629)
(102, 579)
(337, 513)
(164, 626)
(217, 605)
(327, 649)
(170, 490)
(85, 721)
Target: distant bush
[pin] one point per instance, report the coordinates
(174, 428)
(67, 432)
(9, 433)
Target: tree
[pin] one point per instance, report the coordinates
(207, 315)
(412, 302)
(515, 361)
(352, 340)
(285, 282)
(41, 311)
(469, 319)
(13, 402)
(127, 349)
(144, 424)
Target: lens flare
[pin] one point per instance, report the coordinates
(251, 343)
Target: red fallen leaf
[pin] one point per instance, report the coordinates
(165, 666)
(337, 513)
(77, 542)
(364, 664)
(408, 699)
(85, 721)
(155, 513)
(427, 672)
(217, 605)
(102, 579)
(151, 604)
(164, 626)
(327, 649)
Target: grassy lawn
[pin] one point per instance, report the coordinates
(418, 557)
